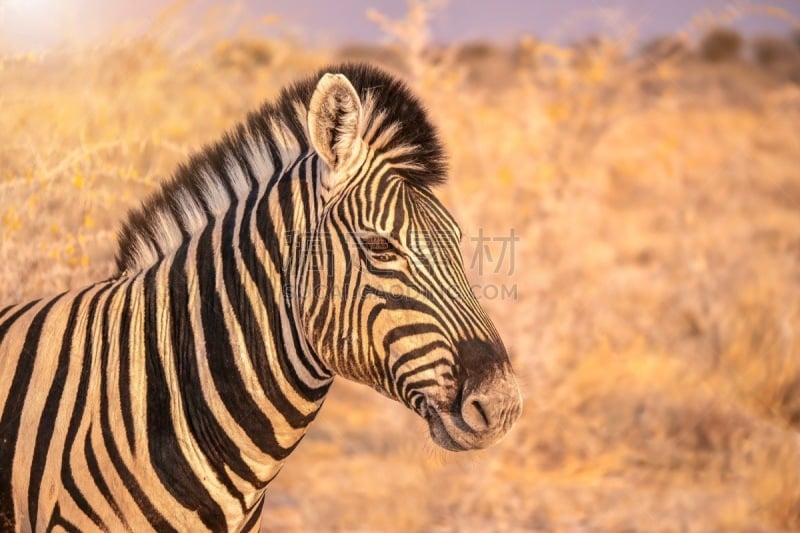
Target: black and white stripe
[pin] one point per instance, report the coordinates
(307, 243)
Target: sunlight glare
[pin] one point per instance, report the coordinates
(34, 22)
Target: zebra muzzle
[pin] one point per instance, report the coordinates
(483, 412)
(488, 408)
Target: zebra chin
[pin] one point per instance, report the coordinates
(482, 413)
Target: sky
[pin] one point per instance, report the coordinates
(37, 24)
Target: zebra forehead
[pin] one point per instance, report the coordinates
(405, 211)
(431, 213)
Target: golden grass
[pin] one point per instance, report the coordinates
(655, 327)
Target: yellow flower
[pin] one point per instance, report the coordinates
(506, 176)
(11, 220)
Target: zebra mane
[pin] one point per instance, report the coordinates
(271, 137)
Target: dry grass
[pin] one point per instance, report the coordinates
(656, 326)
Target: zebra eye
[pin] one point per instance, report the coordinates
(380, 247)
(376, 243)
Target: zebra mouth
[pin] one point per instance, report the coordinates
(437, 428)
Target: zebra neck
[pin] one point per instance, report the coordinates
(233, 359)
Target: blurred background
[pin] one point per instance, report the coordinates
(628, 179)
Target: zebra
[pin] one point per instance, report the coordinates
(306, 244)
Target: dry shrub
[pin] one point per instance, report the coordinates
(389, 57)
(721, 44)
(657, 49)
(778, 56)
(762, 358)
(769, 50)
(244, 54)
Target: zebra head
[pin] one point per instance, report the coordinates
(384, 299)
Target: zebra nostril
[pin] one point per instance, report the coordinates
(478, 407)
(475, 413)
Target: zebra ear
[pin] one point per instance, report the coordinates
(334, 120)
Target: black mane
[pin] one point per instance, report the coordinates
(165, 220)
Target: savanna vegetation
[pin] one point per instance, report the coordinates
(649, 303)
